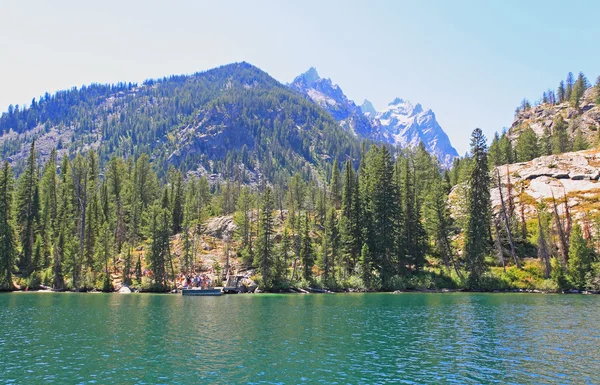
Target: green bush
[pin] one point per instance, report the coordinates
(148, 285)
(353, 282)
(34, 281)
(491, 282)
(48, 277)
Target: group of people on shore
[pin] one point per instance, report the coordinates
(203, 281)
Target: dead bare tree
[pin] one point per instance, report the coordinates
(513, 251)
(543, 252)
(562, 237)
(498, 244)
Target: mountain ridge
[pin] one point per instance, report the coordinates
(400, 123)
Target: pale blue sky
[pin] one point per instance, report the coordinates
(470, 61)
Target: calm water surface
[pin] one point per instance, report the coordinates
(299, 339)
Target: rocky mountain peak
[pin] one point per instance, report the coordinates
(400, 123)
(367, 108)
(308, 78)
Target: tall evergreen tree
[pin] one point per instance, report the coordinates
(8, 249)
(160, 252)
(579, 141)
(28, 206)
(242, 217)
(264, 248)
(581, 84)
(178, 197)
(335, 185)
(495, 152)
(478, 217)
(546, 142)
(569, 88)
(561, 92)
(580, 258)
(382, 211)
(349, 225)
(560, 137)
(527, 145)
(49, 206)
(307, 255)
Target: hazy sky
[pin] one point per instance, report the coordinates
(470, 61)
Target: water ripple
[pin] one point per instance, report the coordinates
(287, 339)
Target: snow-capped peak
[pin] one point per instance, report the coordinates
(367, 108)
(400, 122)
(309, 77)
(406, 124)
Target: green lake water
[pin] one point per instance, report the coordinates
(299, 339)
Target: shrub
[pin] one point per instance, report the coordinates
(353, 282)
(34, 281)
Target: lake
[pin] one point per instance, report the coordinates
(70, 338)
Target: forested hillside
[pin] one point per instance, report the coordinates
(235, 121)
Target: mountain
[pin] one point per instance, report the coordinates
(333, 100)
(234, 121)
(404, 124)
(400, 123)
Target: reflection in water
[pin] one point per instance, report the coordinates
(248, 339)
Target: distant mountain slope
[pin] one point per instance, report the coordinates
(400, 123)
(234, 120)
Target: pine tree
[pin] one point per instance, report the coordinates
(8, 250)
(439, 220)
(495, 152)
(382, 211)
(580, 258)
(560, 137)
(578, 90)
(561, 92)
(127, 266)
(569, 88)
(178, 202)
(478, 217)
(49, 207)
(145, 190)
(366, 266)
(115, 179)
(335, 185)
(546, 142)
(349, 226)
(28, 206)
(160, 253)
(579, 141)
(508, 153)
(105, 251)
(527, 145)
(242, 216)
(330, 246)
(284, 255)
(307, 256)
(264, 248)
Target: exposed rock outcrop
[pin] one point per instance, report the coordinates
(572, 175)
(586, 118)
